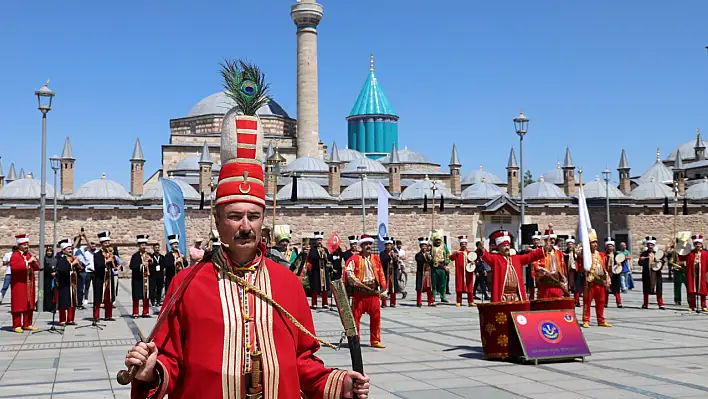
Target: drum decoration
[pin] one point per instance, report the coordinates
(498, 335)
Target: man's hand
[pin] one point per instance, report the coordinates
(355, 383)
(144, 356)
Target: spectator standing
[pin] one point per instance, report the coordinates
(8, 272)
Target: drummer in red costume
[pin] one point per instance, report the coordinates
(550, 271)
(222, 332)
(464, 280)
(365, 275)
(597, 282)
(23, 285)
(507, 269)
(696, 269)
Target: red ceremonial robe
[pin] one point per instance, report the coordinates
(462, 277)
(548, 290)
(498, 264)
(203, 349)
(22, 282)
(690, 273)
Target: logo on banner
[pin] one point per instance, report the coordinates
(383, 232)
(174, 211)
(521, 319)
(549, 331)
(568, 317)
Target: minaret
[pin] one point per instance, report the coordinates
(137, 162)
(11, 175)
(512, 175)
(307, 15)
(623, 169)
(455, 165)
(22, 174)
(699, 148)
(67, 168)
(2, 176)
(680, 174)
(205, 167)
(334, 162)
(568, 174)
(394, 172)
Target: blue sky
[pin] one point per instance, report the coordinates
(598, 76)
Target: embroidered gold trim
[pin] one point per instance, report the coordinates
(165, 382)
(229, 198)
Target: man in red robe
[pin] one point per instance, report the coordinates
(531, 270)
(23, 285)
(222, 331)
(550, 271)
(507, 269)
(696, 269)
(365, 275)
(464, 280)
(597, 282)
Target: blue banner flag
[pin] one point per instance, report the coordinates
(173, 212)
(382, 217)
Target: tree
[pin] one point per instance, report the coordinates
(528, 178)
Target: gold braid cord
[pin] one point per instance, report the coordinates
(242, 282)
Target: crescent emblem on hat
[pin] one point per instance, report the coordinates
(245, 184)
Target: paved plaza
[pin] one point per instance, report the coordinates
(431, 353)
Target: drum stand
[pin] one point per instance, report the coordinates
(53, 329)
(94, 324)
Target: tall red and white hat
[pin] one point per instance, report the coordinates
(21, 238)
(463, 238)
(502, 237)
(364, 238)
(697, 238)
(241, 176)
(549, 234)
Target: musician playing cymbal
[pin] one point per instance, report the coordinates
(464, 272)
(23, 285)
(651, 279)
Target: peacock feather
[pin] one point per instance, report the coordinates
(245, 84)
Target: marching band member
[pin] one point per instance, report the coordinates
(223, 334)
(441, 258)
(615, 280)
(550, 271)
(531, 269)
(353, 240)
(576, 275)
(67, 279)
(597, 283)
(696, 269)
(389, 262)
(285, 248)
(104, 264)
(651, 279)
(174, 260)
(140, 265)
(464, 280)
(507, 269)
(423, 279)
(318, 270)
(365, 275)
(23, 285)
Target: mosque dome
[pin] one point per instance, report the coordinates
(543, 190)
(687, 150)
(596, 189)
(407, 156)
(353, 191)
(482, 190)
(219, 103)
(23, 189)
(102, 189)
(652, 190)
(698, 190)
(306, 190)
(347, 155)
(422, 188)
(658, 173)
(372, 166)
(476, 176)
(307, 165)
(153, 191)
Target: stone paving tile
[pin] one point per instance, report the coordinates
(486, 392)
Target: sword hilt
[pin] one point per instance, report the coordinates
(125, 377)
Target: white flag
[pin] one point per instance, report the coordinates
(584, 227)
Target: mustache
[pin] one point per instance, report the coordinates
(245, 235)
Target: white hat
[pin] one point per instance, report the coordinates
(388, 240)
(537, 235)
(173, 238)
(64, 244)
(423, 240)
(364, 238)
(353, 239)
(609, 241)
(318, 235)
(502, 237)
(104, 236)
(462, 238)
(22, 238)
(570, 239)
(697, 238)
(143, 238)
(650, 240)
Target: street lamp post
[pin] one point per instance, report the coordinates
(606, 174)
(275, 161)
(361, 170)
(44, 104)
(521, 125)
(55, 162)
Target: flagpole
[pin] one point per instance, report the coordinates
(433, 188)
